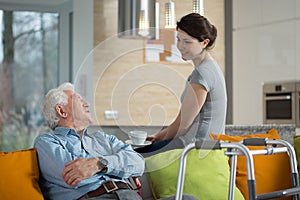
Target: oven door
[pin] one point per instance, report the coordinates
(280, 108)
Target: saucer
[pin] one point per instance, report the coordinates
(146, 143)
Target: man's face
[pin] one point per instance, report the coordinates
(78, 110)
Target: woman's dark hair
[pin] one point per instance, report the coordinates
(197, 26)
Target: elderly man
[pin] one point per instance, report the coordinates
(76, 164)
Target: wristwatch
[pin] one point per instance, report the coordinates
(102, 163)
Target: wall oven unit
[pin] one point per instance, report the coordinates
(281, 103)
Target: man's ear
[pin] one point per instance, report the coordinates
(61, 111)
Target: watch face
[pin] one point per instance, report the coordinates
(103, 162)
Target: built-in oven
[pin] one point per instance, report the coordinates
(280, 104)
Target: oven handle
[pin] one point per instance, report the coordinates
(279, 97)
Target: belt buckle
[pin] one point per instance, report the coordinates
(107, 189)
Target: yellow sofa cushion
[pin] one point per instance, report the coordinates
(272, 172)
(19, 174)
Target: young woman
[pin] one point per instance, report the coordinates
(204, 99)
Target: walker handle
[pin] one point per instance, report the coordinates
(207, 144)
(255, 141)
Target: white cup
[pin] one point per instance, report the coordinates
(138, 137)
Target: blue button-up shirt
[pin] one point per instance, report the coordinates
(63, 145)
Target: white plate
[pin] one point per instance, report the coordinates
(138, 145)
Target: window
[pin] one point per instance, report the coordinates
(28, 69)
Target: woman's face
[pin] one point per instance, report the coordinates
(188, 46)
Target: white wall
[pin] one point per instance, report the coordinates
(76, 45)
(266, 47)
(83, 38)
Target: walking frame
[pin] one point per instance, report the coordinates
(234, 149)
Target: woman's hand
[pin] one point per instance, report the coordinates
(151, 138)
(157, 136)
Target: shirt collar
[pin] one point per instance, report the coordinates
(64, 131)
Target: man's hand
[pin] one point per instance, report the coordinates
(80, 169)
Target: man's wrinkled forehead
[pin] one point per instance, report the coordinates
(72, 94)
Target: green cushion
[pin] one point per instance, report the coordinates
(297, 148)
(207, 174)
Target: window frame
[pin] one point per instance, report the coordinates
(64, 36)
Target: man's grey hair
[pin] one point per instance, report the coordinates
(55, 96)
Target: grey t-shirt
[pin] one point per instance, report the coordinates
(212, 116)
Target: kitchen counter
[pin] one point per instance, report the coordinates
(286, 131)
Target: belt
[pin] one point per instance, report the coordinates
(106, 187)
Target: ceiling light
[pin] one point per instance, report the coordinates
(198, 6)
(170, 14)
(136, 19)
(143, 24)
